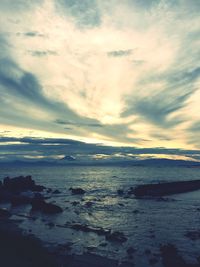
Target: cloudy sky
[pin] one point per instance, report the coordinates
(113, 72)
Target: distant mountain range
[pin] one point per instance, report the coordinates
(70, 161)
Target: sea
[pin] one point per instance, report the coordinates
(146, 223)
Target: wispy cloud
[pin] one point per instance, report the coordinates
(31, 34)
(120, 53)
(116, 71)
(42, 53)
(86, 13)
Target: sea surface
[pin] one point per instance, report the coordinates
(146, 223)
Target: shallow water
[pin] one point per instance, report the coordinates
(146, 223)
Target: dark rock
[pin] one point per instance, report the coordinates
(19, 250)
(77, 191)
(153, 261)
(50, 224)
(147, 251)
(75, 203)
(103, 244)
(130, 251)
(38, 196)
(131, 190)
(120, 192)
(91, 248)
(116, 237)
(193, 235)
(126, 264)
(18, 200)
(56, 192)
(21, 184)
(136, 211)
(92, 260)
(161, 189)
(48, 208)
(86, 228)
(38, 188)
(65, 247)
(171, 257)
(4, 213)
(88, 204)
(152, 236)
(5, 195)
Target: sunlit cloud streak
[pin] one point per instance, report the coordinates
(117, 72)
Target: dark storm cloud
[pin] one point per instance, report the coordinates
(86, 13)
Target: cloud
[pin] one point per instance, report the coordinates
(193, 133)
(33, 34)
(158, 108)
(96, 70)
(120, 53)
(195, 127)
(53, 148)
(17, 82)
(18, 5)
(86, 13)
(42, 53)
(78, 124)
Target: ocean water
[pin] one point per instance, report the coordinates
(147, 223)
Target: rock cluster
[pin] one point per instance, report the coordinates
(14, 190)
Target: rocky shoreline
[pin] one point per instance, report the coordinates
(19, 249)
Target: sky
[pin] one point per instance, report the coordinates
(119, 73)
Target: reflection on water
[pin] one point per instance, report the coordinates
(146, 223)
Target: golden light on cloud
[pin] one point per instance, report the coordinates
(109, 75)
